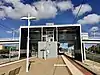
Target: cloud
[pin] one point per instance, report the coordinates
(19, 10)
(94, 32)
(65, 5)
(85, 8)
(41, 9)
(1, 2)
(8, 31)
(12, 1)
(90, 19)
(2, 14)
(95, 28)
(10, 12)
(45, 9)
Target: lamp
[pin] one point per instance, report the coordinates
(28, 18)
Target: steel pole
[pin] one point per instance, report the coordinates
(27, 60)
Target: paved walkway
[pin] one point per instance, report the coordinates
(39, 67)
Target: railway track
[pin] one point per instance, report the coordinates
(74, 67)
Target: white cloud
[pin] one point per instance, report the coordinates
(65, 5)
(1, 3)
(12, 1)
(85, 8)
(90, 19)
(12, 13)
(8, 31)
(95, 28)
(40, 9)
(45, 9)
(19, 10)
(23, 10)
(94, 32)
(2, 14)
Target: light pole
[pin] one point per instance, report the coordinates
(94, 32)
(93, 52)
(28, 18)
(13, 33)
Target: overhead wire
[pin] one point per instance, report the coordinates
(6, 27)
(78, 12)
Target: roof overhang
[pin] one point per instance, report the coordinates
(40, 26)
(91, 41)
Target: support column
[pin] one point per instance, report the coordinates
(42, 34)
(56, 34)
(19, 45)
(84, 51)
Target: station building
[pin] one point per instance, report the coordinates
(47, 41)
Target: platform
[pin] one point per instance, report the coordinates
(39, 67)
(51, 66)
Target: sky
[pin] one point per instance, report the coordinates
(89, 45)
(49, 11)
(64, 45)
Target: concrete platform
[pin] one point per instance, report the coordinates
(74, 70)
(38, 67)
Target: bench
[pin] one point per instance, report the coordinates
(3, 74)
(15, 71)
